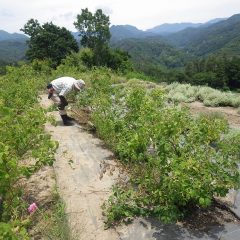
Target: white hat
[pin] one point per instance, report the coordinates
(79, 84)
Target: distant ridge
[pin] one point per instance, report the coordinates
(11, 36)
(165, 44)
(12, 46)
(168, 28)
(120, 32)
(210, 39)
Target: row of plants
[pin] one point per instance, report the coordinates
(174, 161)
(179, 93)
(22, 137)
(210, 97)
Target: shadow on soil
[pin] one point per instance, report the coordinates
(209, 224)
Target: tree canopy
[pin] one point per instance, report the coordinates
(93, 28)
(48, 41)
(95, 35)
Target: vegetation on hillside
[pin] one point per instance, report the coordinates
(207, 40)
(48, 42)
(22, 137)
(214, 71)
(12, 51)
(156, 57)
(95, 35)
(174, 161)
(152, 51)
(217, 44)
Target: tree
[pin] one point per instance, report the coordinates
(48, 42)
(94, 32)
(93, 29)
(95, 35)
(233, 73)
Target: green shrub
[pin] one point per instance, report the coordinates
(174, 161)
(210, 97)
(21, 136)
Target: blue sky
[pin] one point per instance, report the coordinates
(140, 13)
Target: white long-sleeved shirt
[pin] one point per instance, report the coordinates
(63, 85)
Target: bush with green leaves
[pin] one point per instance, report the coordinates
(48, 42)
(22, 137)
(174, 161)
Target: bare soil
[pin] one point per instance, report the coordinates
(230, 113)
(80, 179)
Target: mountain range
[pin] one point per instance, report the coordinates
(120, 32)
(219, 36)
(167, 44)
(12, 47)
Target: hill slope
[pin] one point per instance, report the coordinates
(12, 47)
(168, 28)
(120, 32)
(208, 40)
(11, 36)
(152, 51)
(12, 50)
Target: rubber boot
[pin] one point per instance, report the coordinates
(66, 121)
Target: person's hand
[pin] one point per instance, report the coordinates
(50, 95)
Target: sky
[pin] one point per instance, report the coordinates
(143, 14)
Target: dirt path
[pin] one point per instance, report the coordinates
(78, 172)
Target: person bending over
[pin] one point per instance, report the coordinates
(58, 89)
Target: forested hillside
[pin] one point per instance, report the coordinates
(11, 36)
(183, 56)
(12, 47)
(120, 32)
(208, 40)
(12, 50)
(153, 56)
(189, 55)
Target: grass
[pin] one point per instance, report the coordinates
(51, 222)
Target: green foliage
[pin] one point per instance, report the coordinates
(210, 97)
(174, 161)
(50, 222)
(12, 232)
(22, 137)
(211, 39)
(214, 71)
(204, 78)
(12, 51)
(232, 72)
(93, 29)
(95, 35)
(153, 52)
(48, 42)
(87, 57)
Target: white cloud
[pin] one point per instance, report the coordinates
(142, 14)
